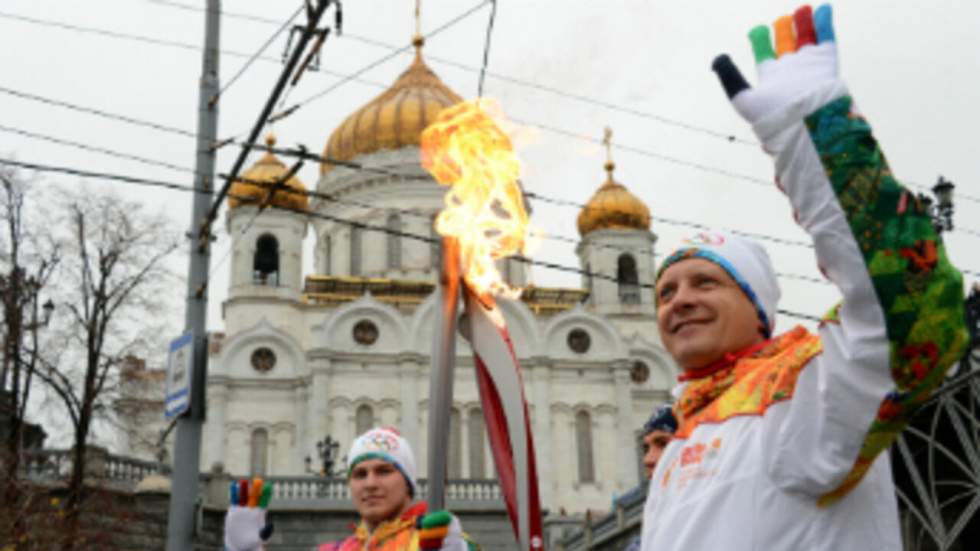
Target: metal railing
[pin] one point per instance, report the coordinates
(54, 465)
(937, 469)
(128, 469)
(303, 488)
(622, 522)
(127, 472)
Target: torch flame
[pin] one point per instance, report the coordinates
(484, 211)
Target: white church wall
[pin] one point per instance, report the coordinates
(337, 333)
(607, 452)
(237, 439)
(605, 343)
(243, 313)
(236, 354)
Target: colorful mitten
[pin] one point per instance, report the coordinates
(245, 524)
(804, 60)
(441, 530)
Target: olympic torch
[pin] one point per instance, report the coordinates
(443, 365)
(484, 220)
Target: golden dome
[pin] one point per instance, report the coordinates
(269, 169)
(613, 206)
(395, 118)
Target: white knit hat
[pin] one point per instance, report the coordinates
(746, 262)
(388, 445)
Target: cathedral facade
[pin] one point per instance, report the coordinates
(348, 346)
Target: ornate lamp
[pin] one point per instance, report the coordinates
(943, 191)
(327, 450)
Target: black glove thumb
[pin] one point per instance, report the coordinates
(266, 532)
(731, 78)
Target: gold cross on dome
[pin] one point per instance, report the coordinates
(607, 141)
(418, 17)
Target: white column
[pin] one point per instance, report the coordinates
(541, 377)
(408, 379)
(217, 411)
(298, 449)
(316, 409)
(624, 426)
(464, 442)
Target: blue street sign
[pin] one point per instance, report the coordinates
(180, 366)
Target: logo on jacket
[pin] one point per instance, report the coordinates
(694, 462)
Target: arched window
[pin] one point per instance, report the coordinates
(629, 283)
(475, 437)
(455, 459)
(259, 452)
(355, 251)
(265, 266)
(327, 251)
(363, 419)
(434, 244)
(583, 439)
(394, 226)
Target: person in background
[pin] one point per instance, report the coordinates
(657, 433)
(381, 475)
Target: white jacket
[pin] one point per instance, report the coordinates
(807, 473)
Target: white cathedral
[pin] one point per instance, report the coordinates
(348, 347)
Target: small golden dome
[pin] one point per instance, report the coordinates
(269, 169)
(395, 118)
(613, 206)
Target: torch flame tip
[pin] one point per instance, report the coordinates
(467, 148)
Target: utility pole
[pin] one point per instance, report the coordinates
(187, 450)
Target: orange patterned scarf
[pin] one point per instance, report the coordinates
(393, 535)
(750, 384)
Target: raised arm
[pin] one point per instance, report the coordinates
(900, 325)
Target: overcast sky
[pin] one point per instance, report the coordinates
(912, 66)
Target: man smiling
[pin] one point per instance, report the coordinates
(381, 474)
(702, 309)
(779, 438)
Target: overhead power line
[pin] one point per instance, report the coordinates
(354, 223)
(355, 78)
(163, 42)
(501, 77)
(95, 149)
(103, 176)
(284, 26)
(486, 48)
(134, 180)
(98, 112)
(303, 154)
(289, 111)
(314, 14)
(418, 215)
(322, 159)
(676, 222)
(359, 166)
(224, 13)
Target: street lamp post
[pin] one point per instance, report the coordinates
(940, 205)
(327, 450)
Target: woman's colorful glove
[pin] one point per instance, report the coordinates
(245, 524)
(804, 58)
(440, 530)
